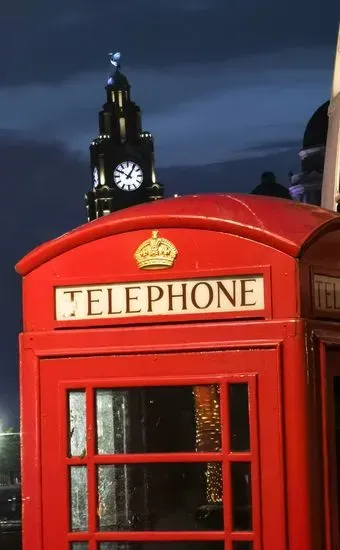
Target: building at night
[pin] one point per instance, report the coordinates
(122, 156)
(123, 165)
(319, 178)
(319, 155)
(307, 183)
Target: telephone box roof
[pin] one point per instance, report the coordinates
(282, 224)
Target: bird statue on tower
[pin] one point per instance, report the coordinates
(114, 60)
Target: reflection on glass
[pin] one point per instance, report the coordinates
(239, 417)
(114, 498)
(158, 419)
(208, 435)
(242, 545)
(78, 488)
(79, 545)
(112, 412)
(207, 413)
(119, 430)
(241, 496)
(162, 497)
(178, 545)
(77, 423)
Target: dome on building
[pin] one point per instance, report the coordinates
(316, 130)
(118, 81)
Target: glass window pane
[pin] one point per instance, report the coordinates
(239, 417)
(113, 421)
(79, 545)
(78, 488)
(158, 545)
(158, 497)
(207, 413)
(77, 423)
(158, 419)
(242, 545)
(241, 496)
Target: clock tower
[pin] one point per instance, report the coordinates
(122, 157)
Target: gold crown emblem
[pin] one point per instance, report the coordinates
(155, 253)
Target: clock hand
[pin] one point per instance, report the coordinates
(132, 169)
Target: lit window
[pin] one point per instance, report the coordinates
(122, 127)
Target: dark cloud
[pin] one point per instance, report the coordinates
(238, 176)
(46, 42)
(290, 144)
(194, 120)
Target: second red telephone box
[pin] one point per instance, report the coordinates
(179, 379)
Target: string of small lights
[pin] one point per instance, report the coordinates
(208, 436)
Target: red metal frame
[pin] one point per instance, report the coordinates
(330, 367)
(261, 337)
(216, 235)
(282, 225)
(39, 285)
(211, 367)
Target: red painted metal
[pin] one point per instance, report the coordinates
(283, 225)
(280, 352)
(200, 368)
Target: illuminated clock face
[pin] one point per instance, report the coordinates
(128, 176)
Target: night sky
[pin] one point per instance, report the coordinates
(226, 88)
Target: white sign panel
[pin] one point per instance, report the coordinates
(193, 296)
(327, 293)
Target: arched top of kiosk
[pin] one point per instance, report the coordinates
(282, 224)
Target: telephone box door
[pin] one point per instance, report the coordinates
(148, 452)
(331, 404)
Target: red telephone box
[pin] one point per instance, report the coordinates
(180, 379)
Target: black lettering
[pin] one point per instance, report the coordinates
(72, 293)
(245, 291)
(152, 298)
(91, 301)
(130, 298)
(318, 293)
(230, 298)
(181, 295)
(110, 303)
(210, 295)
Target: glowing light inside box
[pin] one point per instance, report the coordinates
(208, 436)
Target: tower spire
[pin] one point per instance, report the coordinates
(331, 176)
(122, 157)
